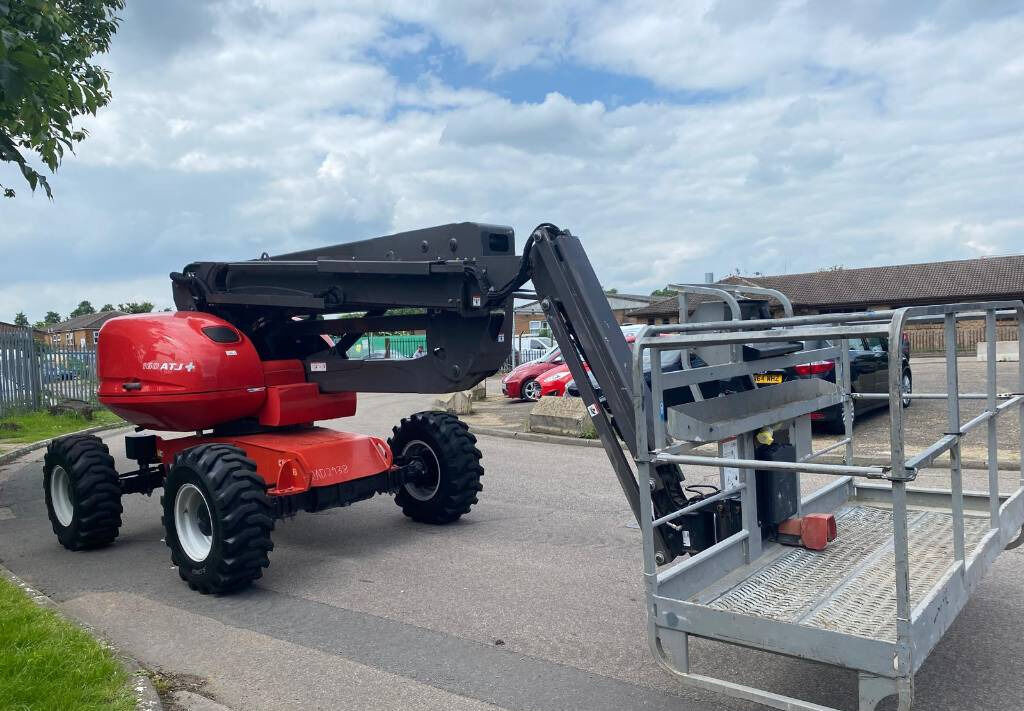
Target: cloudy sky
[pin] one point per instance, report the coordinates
(675, 137)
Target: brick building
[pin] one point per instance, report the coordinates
(80, 331)
(530, 318)
(877, 288)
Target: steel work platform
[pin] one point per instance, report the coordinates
(881, 596)
(847, 587)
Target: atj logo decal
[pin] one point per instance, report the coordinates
(169, 367)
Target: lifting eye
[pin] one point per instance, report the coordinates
(221, 334)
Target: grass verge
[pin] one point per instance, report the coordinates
(27, 427)
(48, 663)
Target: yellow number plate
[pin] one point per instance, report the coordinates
(767, 378)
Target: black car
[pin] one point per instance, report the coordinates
(672, 361)
(869, 373)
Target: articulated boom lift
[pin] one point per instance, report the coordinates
(249, 363)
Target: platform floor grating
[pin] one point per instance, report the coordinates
(850, 586)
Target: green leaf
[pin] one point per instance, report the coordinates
(48, 78)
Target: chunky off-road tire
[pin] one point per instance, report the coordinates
(217, 517)
(448, 451)
(83, 493)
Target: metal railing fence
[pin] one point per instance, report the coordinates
(35, 375)
(518, 357)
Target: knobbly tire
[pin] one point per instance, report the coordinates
(451, 459)
(217, 517)
(83, 493)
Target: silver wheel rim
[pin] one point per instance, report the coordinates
(60, 496)
(424, 491)
(906, 390)
(531, 390)
(192, 522)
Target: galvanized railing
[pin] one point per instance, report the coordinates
(35, 375)
(919, 628)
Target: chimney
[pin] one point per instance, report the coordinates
(709, 277)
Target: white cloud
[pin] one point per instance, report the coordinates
(779, 137)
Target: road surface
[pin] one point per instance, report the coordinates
(533, 602)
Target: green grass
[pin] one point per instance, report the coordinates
(48, 663)
(39, 425)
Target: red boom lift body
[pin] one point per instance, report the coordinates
(189, 371)
(257, 353)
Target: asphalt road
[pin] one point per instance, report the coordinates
(534, 601)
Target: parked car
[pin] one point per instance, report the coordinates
(869, 373)
(672, 361)
(526, 342)
(553, 383)
(522, 382)
(52, 373)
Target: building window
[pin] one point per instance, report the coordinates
(69, 338)
(536, 326)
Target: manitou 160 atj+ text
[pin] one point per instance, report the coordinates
(859, 574)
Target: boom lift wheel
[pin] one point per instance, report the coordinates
(83, 494)
(447, 451)
(218, 518)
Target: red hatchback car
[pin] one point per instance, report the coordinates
(523, 381)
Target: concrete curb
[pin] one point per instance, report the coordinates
(146, 698)
(8, 457)
(535, 437)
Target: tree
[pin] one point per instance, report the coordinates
(48, 79)
(663, 292)
(84, 307)
(51, 318)
(107, 307)
(135, 308)
(613, 290)
(21, 319)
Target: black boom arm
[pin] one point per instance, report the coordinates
(455, 282)
(443, 280)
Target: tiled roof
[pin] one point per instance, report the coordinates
(898, 285)
(85, 322)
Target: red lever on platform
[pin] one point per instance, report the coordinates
(813, 531)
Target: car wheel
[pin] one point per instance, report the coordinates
(906, 387)
(530, 390)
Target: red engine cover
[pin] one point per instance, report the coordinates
(178, 371)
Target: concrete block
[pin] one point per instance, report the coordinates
(565, 416)
(1006, 351)
(479, 391)
(460, 403)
